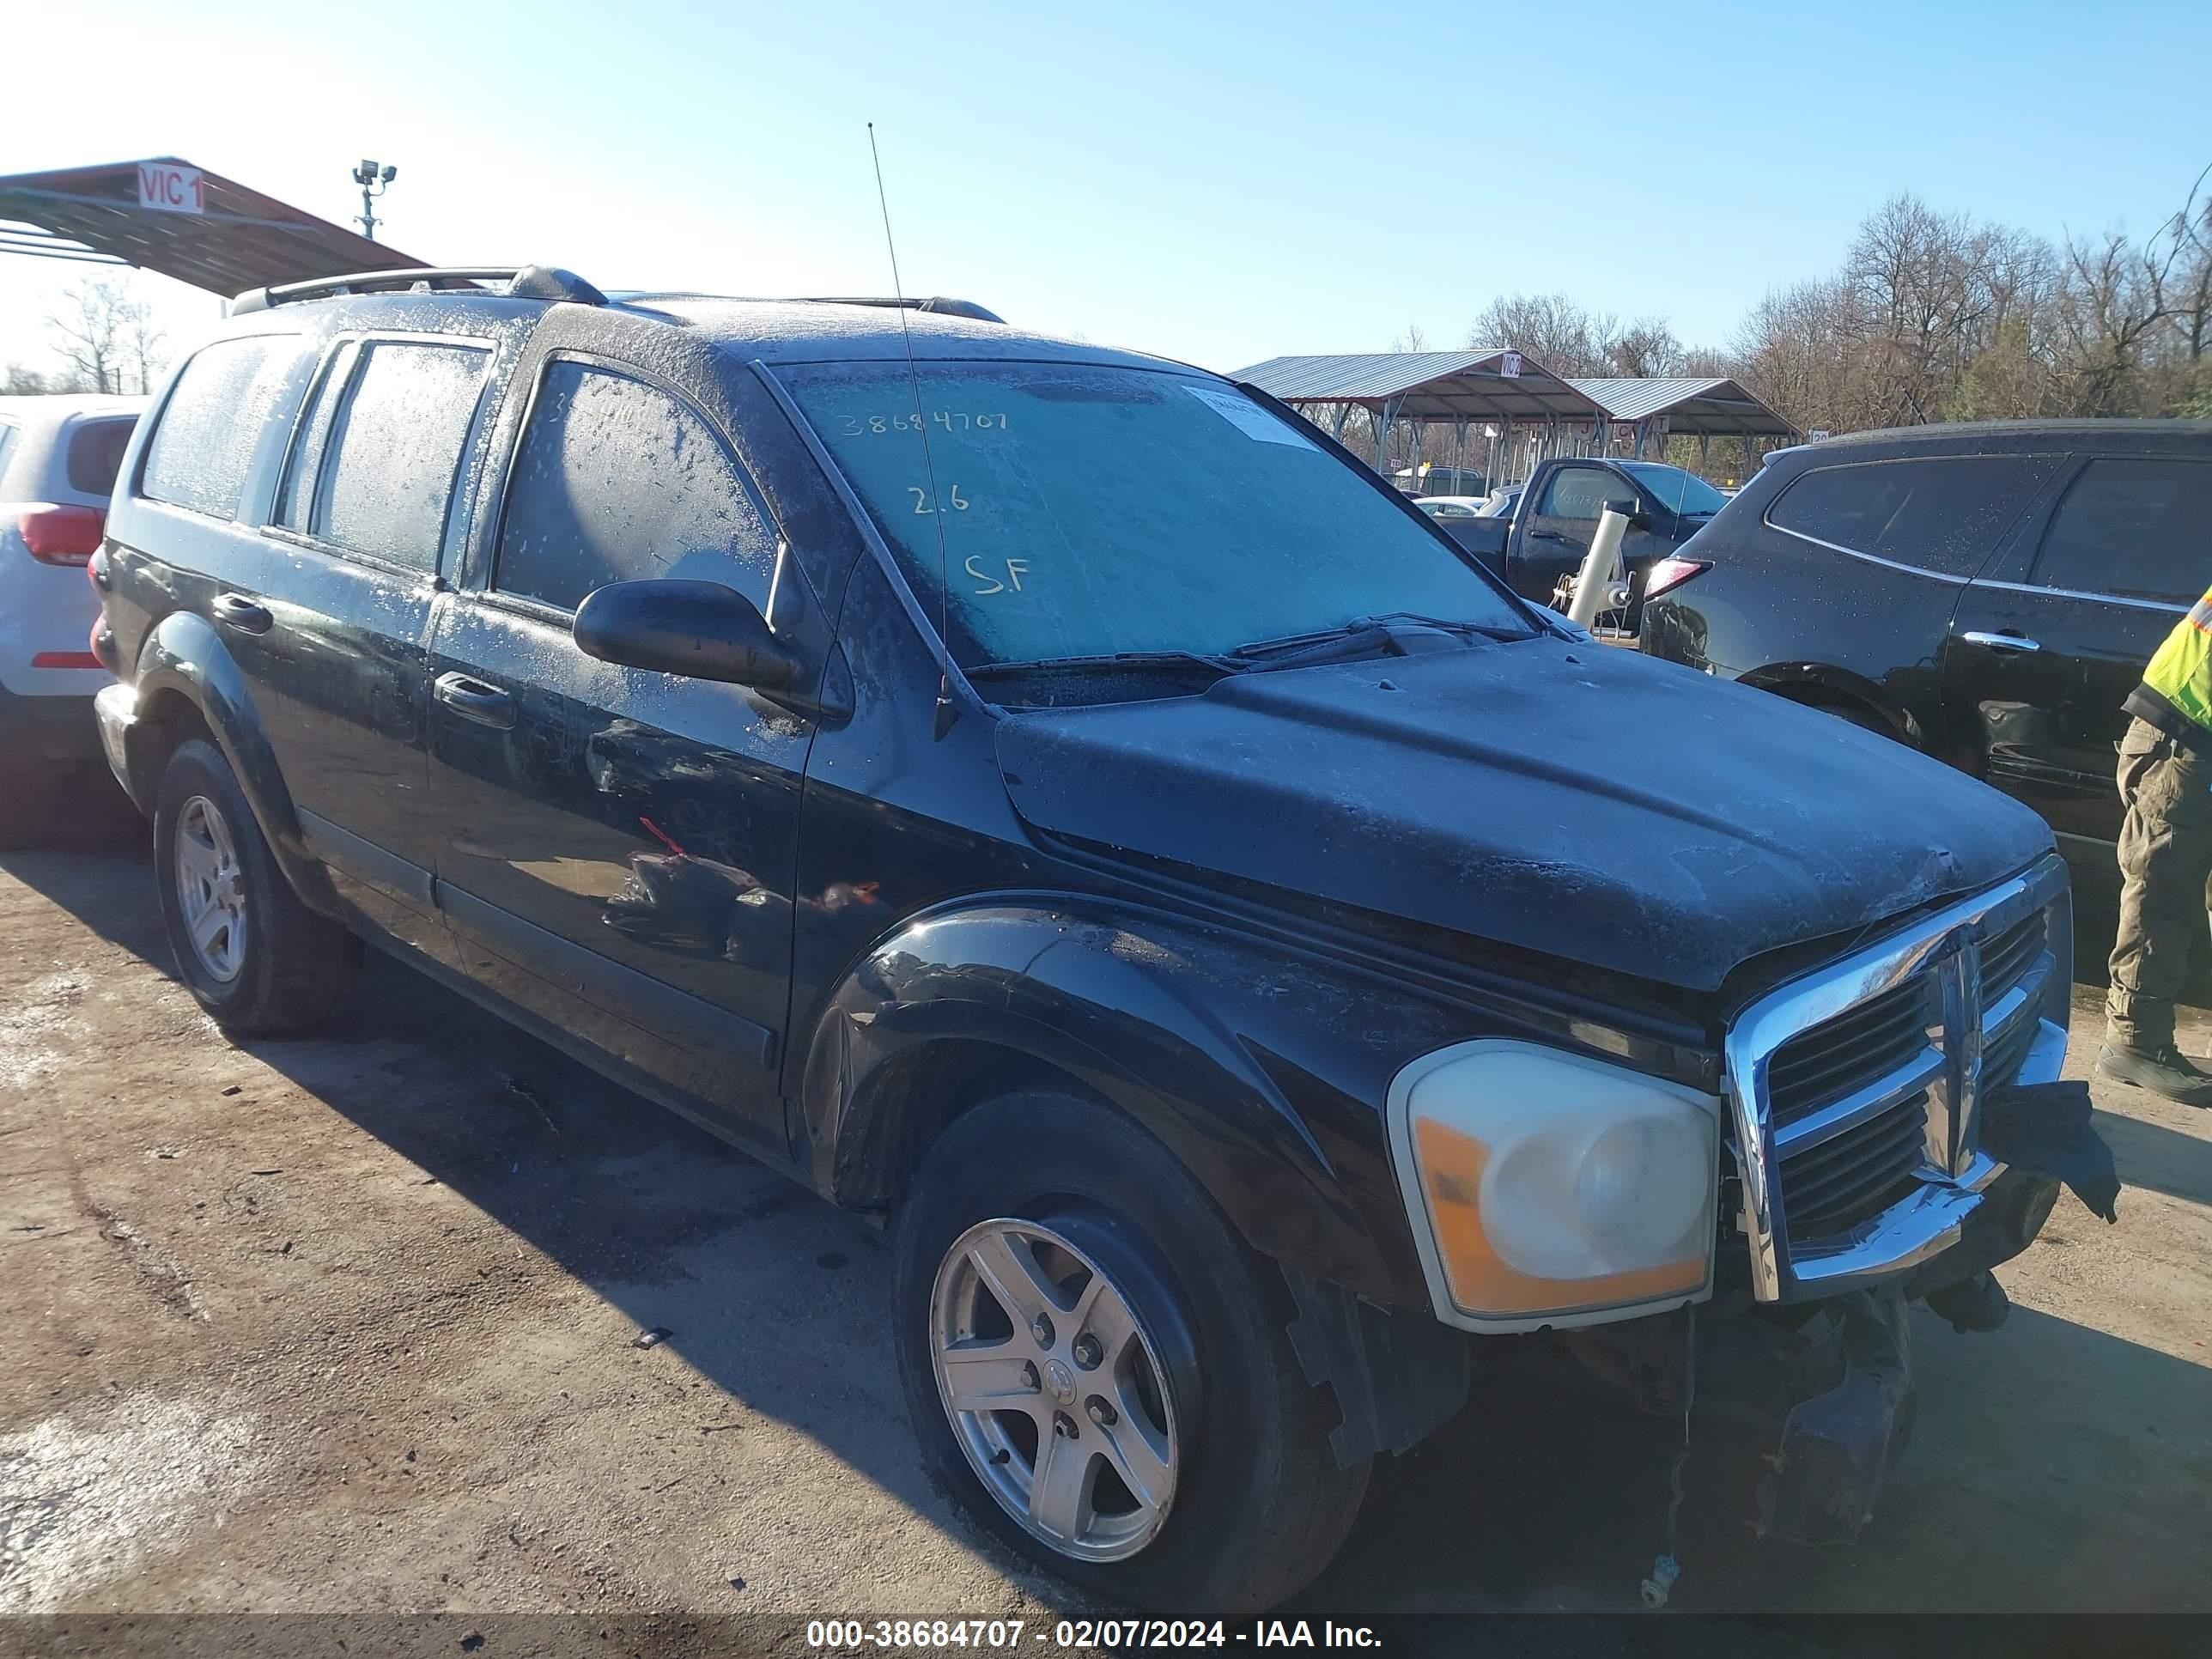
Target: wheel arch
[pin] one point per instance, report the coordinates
(952, 1008)
(187, 684)
(1824, 685)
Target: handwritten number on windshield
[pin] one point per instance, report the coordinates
(921, 507)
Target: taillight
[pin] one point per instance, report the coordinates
(61, 535)
(1670, 573)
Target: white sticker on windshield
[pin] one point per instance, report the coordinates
(1247, 417)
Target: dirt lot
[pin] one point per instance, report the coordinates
(347, 1326)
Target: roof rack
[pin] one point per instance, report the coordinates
(523, 283)
(939, 303)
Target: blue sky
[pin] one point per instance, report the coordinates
(1220, 184)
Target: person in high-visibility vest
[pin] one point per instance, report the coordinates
(2165, 862)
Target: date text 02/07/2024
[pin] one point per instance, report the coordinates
(1084, 1634)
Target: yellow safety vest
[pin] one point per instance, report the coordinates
(2181, 671)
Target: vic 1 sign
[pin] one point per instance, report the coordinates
(172, 189)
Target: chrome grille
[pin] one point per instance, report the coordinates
(1831, 1184)
(1857, 1090)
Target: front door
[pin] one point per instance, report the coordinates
(616, 846)
(2035, 671)
(1563, 522)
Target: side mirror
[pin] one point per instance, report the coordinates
(700, 629)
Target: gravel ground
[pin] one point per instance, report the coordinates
(348, 1326)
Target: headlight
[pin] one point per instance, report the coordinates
(1549, 1190)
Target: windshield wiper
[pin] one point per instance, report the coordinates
(990, 670)
(1366, 631)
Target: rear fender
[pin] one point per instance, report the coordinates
(1261, 1069)
(1825, 685)
(183, 657)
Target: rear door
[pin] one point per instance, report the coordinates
(338, 629)
(2037, 667)
(616, 846)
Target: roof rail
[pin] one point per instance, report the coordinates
(940, 303)
(523, 283)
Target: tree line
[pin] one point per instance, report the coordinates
(1935, 317)
(107, 339)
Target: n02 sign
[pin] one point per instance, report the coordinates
(171, 189)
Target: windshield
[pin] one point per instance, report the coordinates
(1089, 510)
(1682, 492)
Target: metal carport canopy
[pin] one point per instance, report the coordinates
(226, 238)
(1429, 386)
(1693, 408)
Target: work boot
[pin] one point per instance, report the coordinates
(2163, 1071)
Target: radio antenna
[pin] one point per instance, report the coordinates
(945, 710)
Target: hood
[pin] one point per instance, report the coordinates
(1575, 799)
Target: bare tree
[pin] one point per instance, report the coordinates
(1413, 339)
(1556, 332)
(107, 337)
(17, 381)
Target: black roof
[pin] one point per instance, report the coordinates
(792, 331)
(1999, 437)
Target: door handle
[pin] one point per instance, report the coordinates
(2017, 644)
(236, 611)
(472, 700)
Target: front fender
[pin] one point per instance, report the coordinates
(1261, 1067)
(183, 657)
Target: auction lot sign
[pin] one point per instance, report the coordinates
(170, 188)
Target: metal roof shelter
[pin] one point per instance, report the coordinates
(166, 215)
(1495, 385)
(1715, 408)
(1704, 408)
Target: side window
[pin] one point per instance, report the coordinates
(1946, 515)
(95, 455)
(1581, 492)
(7, 445)
(394, 448)
(296, 498)
(204, 448)
(617, 481)
(2142, 529)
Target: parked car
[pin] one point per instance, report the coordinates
(1548, 533)
(58, 460)
(1988, 593)
(1451, 507)
(1218, 933)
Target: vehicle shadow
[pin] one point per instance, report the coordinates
(2053, 1468)
(2017, 1496)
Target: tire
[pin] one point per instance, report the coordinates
(266, 965)
(1196, 1360)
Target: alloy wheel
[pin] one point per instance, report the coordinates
(1055, 1393)
(211, 887)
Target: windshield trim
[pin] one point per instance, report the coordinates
(932, 630)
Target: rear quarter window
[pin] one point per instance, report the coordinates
(1945, 514)
(95, 455)
(204, 448)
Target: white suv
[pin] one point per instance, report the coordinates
(58, 457)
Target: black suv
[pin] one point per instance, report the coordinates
(1218, 927)
(1988, 593)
